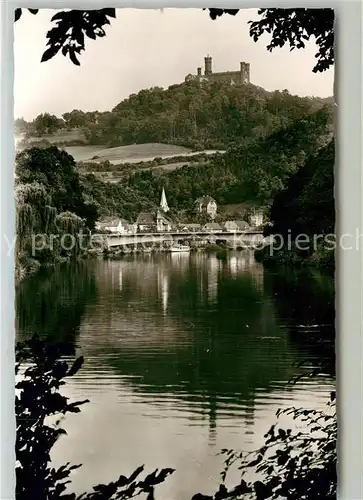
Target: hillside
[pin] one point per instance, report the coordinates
(138, 152)
(194, 115)
(250, 173)
(200, 115)
(306, 206)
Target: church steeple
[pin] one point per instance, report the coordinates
(163, 203)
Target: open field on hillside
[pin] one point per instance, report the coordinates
(136, 152)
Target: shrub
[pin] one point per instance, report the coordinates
(42, 372)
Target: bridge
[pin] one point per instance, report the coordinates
(245, 239)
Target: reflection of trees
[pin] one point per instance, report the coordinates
(205, 350)
(53, 302)
(306, 298)
(194, 329)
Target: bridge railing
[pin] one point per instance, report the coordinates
(181, 233)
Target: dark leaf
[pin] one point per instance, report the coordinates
(122, 481)
(90, 33)
(77, 365)
(58, 16)
(50, 53)
(136, 473)
(73, 58)
(18, 13)
(110, 12)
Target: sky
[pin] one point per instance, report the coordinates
(148, 48)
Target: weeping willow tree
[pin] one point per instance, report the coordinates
(41, 232)
(74, 236)
(31, 200)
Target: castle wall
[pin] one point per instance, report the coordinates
(226, 76)
(237, 77)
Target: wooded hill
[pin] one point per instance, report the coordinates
(251, 172)
(192, 114)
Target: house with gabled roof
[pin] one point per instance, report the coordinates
(114, 225)
(212, 227)
(151, 222)
(146, 222)
(193, 228)
(208, 205)
(233, 226)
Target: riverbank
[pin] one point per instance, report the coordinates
(194, 246)
(321, 258)
(27, 266)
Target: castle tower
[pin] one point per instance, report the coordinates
(163, 203)
(207, 66)
(245, 72)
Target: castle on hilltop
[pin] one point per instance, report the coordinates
(240, 77)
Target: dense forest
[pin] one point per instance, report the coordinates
(250, 173)
(197, 115)
(306, 207)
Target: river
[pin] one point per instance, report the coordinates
(184, 355)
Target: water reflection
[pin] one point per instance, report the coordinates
(54, 301)
(194, 348)
(194, 328)
(213, 279)
(120, 279)
(163, 287)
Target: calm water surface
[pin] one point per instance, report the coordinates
(185, 355)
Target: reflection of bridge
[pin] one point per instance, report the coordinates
(235, 239)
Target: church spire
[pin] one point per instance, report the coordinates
(163, 203)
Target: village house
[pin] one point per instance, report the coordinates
(256, 218)
(252, 214)
(233, 226)
(230, 226)
(206, 204)
(181, 227)
(242, 225)
(162, 223)
(193, 228)
(146, 222)
(115, 225)
(150, 222)
(212, 227)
